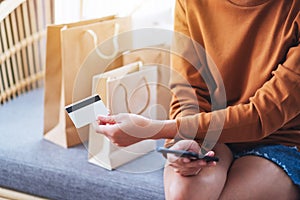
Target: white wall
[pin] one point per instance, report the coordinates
(145, 13)
(67, 11)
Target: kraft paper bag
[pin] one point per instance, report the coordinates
(68, 45)
(160, 56)
(128, 90)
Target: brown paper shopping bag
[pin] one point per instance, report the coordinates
(128, 90)
(67, 47)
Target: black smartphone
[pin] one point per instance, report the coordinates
(187, 154)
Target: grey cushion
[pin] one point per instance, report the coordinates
(32, 165)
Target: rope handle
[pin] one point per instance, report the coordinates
(126, 97)
(115, 43)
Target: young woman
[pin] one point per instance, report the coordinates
(255, 46)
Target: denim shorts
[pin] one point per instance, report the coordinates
(287, 158)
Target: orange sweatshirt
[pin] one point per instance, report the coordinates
(255, 47)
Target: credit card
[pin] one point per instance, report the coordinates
(85, 111)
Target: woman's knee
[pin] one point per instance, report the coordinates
(178, 191)
(202, 185)
(208, 184)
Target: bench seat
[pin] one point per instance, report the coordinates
(31, 165)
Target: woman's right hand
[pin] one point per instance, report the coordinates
(125, 129)
(186, 166)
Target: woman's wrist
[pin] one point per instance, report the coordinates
(168, 129)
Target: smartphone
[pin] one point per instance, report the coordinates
(187, 154)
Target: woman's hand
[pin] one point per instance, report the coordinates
(186, 166)
(125, 129)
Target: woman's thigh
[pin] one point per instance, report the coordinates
(208, 184)
(253, 177)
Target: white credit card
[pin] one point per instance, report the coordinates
(86, 111)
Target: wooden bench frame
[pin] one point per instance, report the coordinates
(22, 38)
(22, 45)
(6, 194)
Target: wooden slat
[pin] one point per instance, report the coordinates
(40, 16)
(34, 30)
(22, 45)
(10, 194)
(41, 43)
(18, 51)
(23, 49)
(2, 77)
(16, 87)
(81, 9)
(49, 8)
(8, 6)
(9, 83)
(29, 47)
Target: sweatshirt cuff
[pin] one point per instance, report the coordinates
(187, 127)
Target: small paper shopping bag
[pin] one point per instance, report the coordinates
(134, 91)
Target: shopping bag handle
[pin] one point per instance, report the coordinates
(126, 97)
(115, 42)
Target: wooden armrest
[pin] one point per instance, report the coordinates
(10, 194)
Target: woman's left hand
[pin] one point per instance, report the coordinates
(186, 166)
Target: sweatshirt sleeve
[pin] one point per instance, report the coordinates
(190, 93)
(187, 99)
(271, 107)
